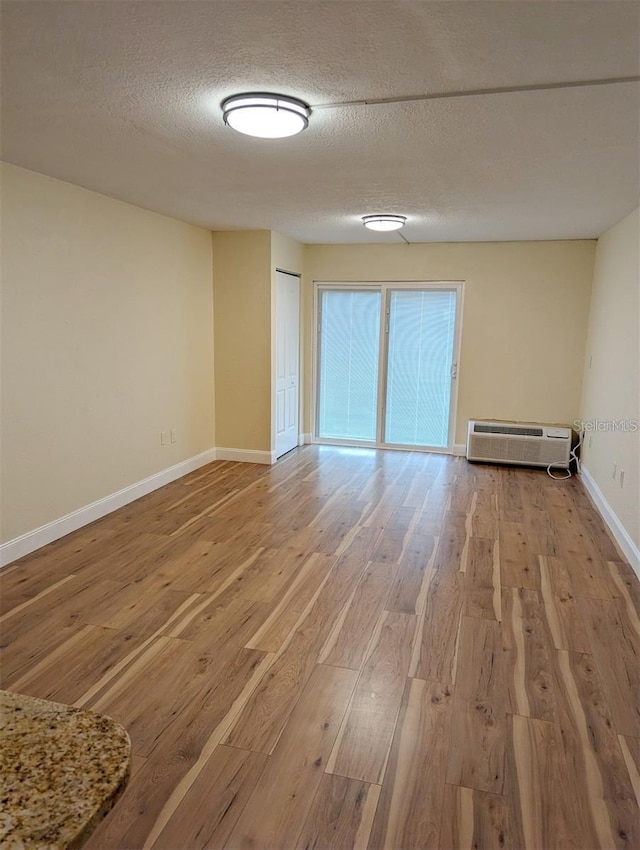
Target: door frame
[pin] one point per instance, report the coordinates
(385, 287)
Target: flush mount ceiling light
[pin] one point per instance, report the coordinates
(384, 221)
(268, 116)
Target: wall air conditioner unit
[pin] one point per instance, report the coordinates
(524, 443)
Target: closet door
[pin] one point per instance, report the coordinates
(287, 361)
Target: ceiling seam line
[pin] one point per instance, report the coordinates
(479, 92)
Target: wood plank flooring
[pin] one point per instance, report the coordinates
(349, 649)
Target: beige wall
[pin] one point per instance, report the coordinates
(612, 372)
(286, 254)
(108, 338)
(245, 264)
(524, 322)
(106, 341)
(242, 334)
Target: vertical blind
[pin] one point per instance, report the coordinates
(348, 364)
(420, 358)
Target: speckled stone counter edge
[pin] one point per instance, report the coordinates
(63, 771)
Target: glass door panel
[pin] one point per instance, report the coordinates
(349, 345)
(421, 336)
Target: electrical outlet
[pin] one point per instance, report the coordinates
(590, 360)
(590, 440)
(615, 471)
(622, 477)
(174, 435)
(163, 438)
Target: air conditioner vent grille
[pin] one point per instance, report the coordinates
(527, 443)
(516, 430)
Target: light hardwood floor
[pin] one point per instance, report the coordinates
(349, 649)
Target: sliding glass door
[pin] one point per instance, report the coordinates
(386, 363)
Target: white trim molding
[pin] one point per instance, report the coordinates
(32, 540)
(246, 455)
(619, 532)
(305, 439)
(459, 449)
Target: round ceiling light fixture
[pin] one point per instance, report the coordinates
(384, 221)
(268, 116)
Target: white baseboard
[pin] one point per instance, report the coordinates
(32, 540)
(304, 439)
(246, 455)
(620, 534)
(459, 449)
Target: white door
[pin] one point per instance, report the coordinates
(287, 361)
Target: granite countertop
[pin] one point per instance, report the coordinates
(62, 771)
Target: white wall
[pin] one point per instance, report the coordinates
(612, 374)
(524, 323)
(107, 339)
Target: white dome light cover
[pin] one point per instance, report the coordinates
(384, 221)
(267, 116)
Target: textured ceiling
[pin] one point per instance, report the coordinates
(123, 98)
